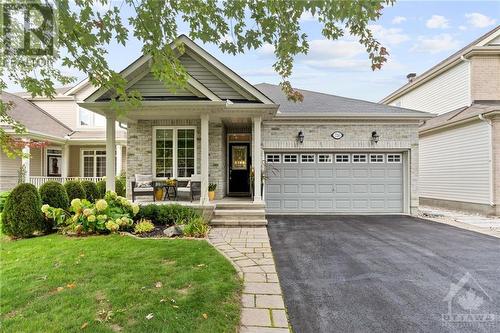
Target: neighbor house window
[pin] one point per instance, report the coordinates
(290, 158)
(88, 118)
(393, 158)
(324, 158)
(342, 158)
(377, 158)
(272, 158)
(93, 163)
(174, 152)
(359, 158)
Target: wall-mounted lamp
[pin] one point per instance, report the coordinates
(300, 137)
(375, 136)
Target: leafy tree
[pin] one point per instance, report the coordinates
(85, 29)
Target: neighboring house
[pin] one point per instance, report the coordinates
(459, 149)
(328, 154)
(66, 141)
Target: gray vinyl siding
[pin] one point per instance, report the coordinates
(8, 172)
(150, 86)
(203, 75)
(455, 164)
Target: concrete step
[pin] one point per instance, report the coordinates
(239, 212)
(240, 205)
(233, 222)
(239, 217)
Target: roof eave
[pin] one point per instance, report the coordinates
(487, 114)
(341, 116)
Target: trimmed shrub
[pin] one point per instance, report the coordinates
(91, 190)
(3, 200)
(168, 214)
(120, 186)
(74, 190)
(54, 194)
(22, 215)
(101, 188)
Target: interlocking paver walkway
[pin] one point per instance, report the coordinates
(263, 309)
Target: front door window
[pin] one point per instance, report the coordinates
(240, 155)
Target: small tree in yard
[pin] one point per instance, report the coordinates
(22, 215)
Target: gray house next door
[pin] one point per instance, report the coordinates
(334, 183)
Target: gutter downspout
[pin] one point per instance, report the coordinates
(492, 186)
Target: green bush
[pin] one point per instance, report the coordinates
(101, 188)
(91, 190)
(54, 194)
(196, 227)
(120, 186)
(168, 214)
(144, 226)
(74, 190)
(3, 199)
(22, 215)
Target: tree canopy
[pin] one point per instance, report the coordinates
(84, 30)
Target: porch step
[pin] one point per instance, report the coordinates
(239, 214)
(232, 222)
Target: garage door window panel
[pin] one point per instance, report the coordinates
(290, 158)
(377, 158)
(325, 158)
(394, 158)
(342, 158)
(307, 158)
(273, 158)
(359, 158)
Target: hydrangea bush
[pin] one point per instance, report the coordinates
(111, 214)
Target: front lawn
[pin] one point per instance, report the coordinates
(114, 284)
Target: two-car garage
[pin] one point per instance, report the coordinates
(334, 182)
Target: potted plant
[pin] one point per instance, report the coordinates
(211, 191)
(158, 191)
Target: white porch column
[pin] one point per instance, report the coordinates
(118, 159)
(65, 161)
(257, 158)
(204, 159)
(110, 151)
(25, 162)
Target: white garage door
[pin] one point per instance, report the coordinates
(334, 183)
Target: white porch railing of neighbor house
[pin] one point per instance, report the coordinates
(40, 180)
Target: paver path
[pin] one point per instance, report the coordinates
(263, 309)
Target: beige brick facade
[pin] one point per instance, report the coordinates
(485, 77)
(496, 161)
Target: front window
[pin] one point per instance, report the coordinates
(175, 152)
(94, 163)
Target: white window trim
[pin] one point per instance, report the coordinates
(395, 162)
(365, 161)
(95, 160)
(377, 162)
(290, 162)
(330, 156)
(174, 159)
(45, 157)
(279, 158)
(343, 162)
(307, 162)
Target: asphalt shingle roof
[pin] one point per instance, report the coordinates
(316, 102)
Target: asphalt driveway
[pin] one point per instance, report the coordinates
(385, 274)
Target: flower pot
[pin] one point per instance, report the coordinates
(159, 193)
(211, 195)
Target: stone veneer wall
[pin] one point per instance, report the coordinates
(317, 136)
(140, 149)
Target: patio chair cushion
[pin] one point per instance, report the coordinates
(183, 189)
(143, 189)
(144, 181)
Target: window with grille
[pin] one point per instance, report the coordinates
(342, 158)
(290, 158)
(325, 158)
(393, 158)
(273, 158)
(377, 158)
(174, 152)
(307, 158)
(359, 158)
(94, 163)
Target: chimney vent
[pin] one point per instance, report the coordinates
(411, 77)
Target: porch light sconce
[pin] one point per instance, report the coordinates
(300, 137)
(375, 137)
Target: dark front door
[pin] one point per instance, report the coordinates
(239, 168)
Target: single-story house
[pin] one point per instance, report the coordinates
(328, 154)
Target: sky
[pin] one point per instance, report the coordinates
(417, 34)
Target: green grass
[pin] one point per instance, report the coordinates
(110, 285)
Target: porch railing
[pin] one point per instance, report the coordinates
(40, 180)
